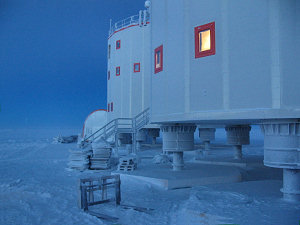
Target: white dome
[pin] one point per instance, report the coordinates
(94, 122)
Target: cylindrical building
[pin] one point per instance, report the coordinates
(128, 75)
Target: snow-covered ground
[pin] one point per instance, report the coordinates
(37, 188)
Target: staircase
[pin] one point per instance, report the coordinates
(120, 125)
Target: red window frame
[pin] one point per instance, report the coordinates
(118, 73)
(139, 68)
(212, 50)
(160, 68)
(118, 44)
(111, 106)
(108, 75)
(108, 107)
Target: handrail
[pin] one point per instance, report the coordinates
(132, 20)
(135, 124)
(123, 23)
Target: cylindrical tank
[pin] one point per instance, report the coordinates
(227, 62)
(128, 85)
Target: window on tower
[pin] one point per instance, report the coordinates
(118, 71)
(118, 44)
(137, 67)
(205, 40)
(158, 59)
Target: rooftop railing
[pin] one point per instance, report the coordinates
(141, 18)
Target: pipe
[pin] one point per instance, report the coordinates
(145, 18)
(140, 17)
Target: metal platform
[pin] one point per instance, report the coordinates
(194, 174)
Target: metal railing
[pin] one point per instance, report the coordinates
(121, 125)
(141, 119)
(132, 20)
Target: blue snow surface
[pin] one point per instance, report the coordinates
(36, 187)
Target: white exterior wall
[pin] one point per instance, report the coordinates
(129, 92)
(254, 74)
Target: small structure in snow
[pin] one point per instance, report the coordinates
(161, 159)
(66, 139)
(127, 163)
(79, 159)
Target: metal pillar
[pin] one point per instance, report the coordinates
(237, 136)
(154, 133)
(282, 150)
(141, 136)
(153, 141)
(178, 163)
(238, 151)
(206, 136)
(178, 138)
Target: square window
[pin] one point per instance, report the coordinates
(111, 106)
(118, 71)
(108, 75)
(205, 40)
(118, 44)
(158, 59)
(137, 67)
(108, 107)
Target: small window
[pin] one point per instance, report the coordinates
(108, 75)
(205, 40)
(108, 107)
(158, 59)
(136, 67)
(118, 71)
(118, 44)
(109, 48)
(112, 107)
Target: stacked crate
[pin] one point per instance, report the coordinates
(127, 164)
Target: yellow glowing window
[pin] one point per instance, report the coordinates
(204, 39)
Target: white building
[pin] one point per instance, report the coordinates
(227, 63)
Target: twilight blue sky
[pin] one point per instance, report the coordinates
(53, 57)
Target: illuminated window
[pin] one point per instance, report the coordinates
(112, 107)
(118, 71)
(109, 48)
(118, 44)
(158, 59)
(205, 40)
(108, 107)
(137, 67)
(108, 75)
